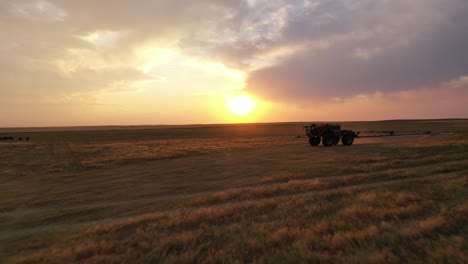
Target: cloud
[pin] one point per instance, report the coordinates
(371, 46)
(285, 51)
(51, 48)
(460, 83)
(38, 11)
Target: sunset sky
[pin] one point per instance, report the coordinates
(119, 62)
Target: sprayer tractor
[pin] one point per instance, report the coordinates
(329, 135)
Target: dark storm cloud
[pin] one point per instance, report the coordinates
(372, 46)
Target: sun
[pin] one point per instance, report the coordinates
(241, 105)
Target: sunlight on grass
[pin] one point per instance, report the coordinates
(185, 200)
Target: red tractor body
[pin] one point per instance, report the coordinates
(329, 135)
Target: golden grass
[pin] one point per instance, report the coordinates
(263, 200)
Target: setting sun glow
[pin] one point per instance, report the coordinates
(241, 105)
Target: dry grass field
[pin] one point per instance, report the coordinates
(234, 194)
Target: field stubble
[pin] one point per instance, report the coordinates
(244, 195)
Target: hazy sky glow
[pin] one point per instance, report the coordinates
(87, 62)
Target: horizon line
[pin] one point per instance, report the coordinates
(227, 124)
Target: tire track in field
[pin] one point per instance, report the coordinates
(12, 233)
(139, 201)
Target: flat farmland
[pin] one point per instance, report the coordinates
(234, 193)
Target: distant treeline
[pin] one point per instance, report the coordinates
(12, 138)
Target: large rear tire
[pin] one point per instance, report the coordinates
(336, 140)
(328, 139)
(314, 141)
(347, 140)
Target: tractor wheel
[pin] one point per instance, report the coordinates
(336, 140)
(314, 141)
(328, 139)
(347, 140)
